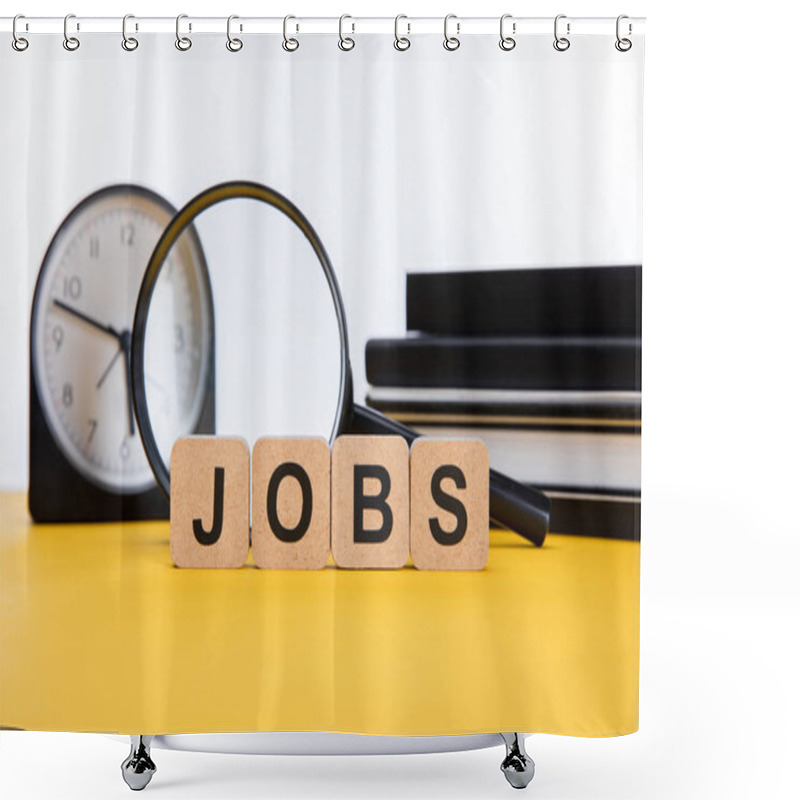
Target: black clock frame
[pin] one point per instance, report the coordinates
(57, 491)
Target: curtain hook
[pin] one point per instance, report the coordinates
(623, 44)
(289, 44)
(129, 43)
(451, 42)
(19, 43)
(507, 42)
(561, 43)
(346, 42)
(182, 42)
(233, 44)
(401, 42)
(71, 43)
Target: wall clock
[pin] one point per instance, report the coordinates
(86, 458)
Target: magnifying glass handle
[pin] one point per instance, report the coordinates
(524, 510)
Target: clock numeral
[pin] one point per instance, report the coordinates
(180, 341)
(67, 395)
(124, 450)
(126, 233)
(94, 247)
(92, 428)
(58, 337)
(72, 287)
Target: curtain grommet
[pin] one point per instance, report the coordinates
(451, 43)
(561, 43)
(19, 43)
(507, 43)
(71, 43)
(346, 43)
(183, 43)
(129, 43)
(233, 44)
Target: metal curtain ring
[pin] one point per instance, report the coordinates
(623, 44)
(71, 43)
(233, 44)
(451, 42)
(346, 42)
(290, 44)
(182, 220)
(19, 43)
(181, 42)
(507, 42)
(401, 42)
(129, 43)
(561, 43)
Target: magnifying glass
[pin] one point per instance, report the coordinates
(520, 508)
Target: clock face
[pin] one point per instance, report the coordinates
(81, 334)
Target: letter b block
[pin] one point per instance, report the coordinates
(291, 503)
(449, 504)
(209, 514)
(369, 510)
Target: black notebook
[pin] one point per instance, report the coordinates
(570, 301)
(533, 363)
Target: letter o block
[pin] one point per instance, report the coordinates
(369, 508)
(209, 505)
(291, 503)
(449, 504)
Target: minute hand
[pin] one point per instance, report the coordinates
(88, 320)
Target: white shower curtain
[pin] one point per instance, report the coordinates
(407, 163)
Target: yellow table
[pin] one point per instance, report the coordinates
(99, 632)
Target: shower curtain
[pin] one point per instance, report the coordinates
(480, 204)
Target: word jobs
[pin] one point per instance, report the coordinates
(368, 502)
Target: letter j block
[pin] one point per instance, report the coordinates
(209, 507)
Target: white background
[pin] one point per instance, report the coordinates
(721, 541)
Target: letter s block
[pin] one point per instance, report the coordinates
(449, 504)
(291, 503)
(209, 506)
(369, 502)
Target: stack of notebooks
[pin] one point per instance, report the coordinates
(544, 365)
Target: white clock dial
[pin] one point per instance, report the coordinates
(83, 314)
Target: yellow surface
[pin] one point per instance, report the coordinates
(99, 632)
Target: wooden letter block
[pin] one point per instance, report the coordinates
(209, 509)
(291, 503)
(369, 508)
(449, 504)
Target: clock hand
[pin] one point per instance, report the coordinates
(108, 368)
(93, 322)
(125, 345)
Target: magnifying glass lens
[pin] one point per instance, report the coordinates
(241, 335)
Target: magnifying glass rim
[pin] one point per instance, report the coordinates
(232, 190)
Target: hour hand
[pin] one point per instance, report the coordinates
(88, 320)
